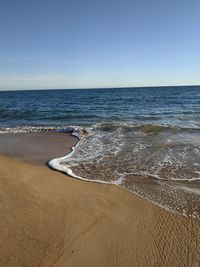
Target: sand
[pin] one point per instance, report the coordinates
(36, 148)
(49, 219)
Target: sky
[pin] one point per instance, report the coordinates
(49, 44)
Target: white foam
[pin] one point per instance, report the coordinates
(31, 129)
(55, 164)
(189, 189)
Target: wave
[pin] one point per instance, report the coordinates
(102, 126)
(93, 148)
(160, 152)
(110, 125)
(145, 128)
(31, 129)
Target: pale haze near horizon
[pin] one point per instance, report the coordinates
(93, 44)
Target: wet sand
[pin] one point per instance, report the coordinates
(182, 197)
(36, 148)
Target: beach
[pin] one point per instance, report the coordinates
(50, 219)
(100, 134)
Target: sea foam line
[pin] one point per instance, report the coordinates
(55, 164)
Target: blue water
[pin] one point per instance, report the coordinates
(146, 140)
(170, 105)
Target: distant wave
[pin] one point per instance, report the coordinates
(103, 126)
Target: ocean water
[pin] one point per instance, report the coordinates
(146, 140)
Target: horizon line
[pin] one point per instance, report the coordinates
(99, 88)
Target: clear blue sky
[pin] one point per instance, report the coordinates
(105, 43)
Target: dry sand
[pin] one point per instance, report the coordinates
(48, 219)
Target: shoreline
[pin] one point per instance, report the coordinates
(42, 211)
(39, 148)
(183, 193)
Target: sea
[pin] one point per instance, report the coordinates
(145, 140)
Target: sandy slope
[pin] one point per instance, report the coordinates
(48, 219)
